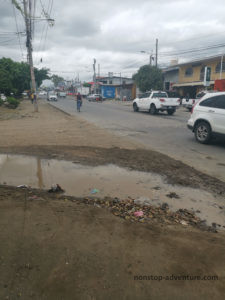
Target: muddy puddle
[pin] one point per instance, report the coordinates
(79, 180)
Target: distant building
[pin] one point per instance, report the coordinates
(115, 80)
(188, 78)
(114, 87)
(171, 77)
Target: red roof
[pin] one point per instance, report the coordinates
(92, 82)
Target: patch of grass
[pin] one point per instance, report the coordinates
(12, 102)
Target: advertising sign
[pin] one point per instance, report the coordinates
(108, 91)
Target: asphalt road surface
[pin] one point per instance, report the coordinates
(163, 133)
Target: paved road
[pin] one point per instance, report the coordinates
(163, 133)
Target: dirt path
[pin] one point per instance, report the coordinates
(57, 247)
(50, 126)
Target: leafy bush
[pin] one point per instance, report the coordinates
(12, 102)
(1, 102)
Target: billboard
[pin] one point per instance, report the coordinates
(108, 91)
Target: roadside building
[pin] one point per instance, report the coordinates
(112, 87)
(191, 75)
(170, 78)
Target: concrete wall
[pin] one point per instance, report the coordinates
(171, 77)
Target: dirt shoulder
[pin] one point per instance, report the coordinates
(52, 127)
(53, 134)
(55, 247)
(59, 247)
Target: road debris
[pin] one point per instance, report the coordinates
(23, 186)
(56, 188)
(134, 212)
(94, 191)
(165, 206)
(138, 213)
(173, 195)
(157, 188)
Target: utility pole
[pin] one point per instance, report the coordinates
(94, 77)
(121, 96)
(28, 24)
(98, 70)
(156, 53)
(27, 17)
(221, 66)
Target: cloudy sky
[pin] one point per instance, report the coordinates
(114, 32)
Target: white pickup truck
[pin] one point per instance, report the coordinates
(156, 101)
(190, 102)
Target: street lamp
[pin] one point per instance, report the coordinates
(151, 58)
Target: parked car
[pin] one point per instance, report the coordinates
(3, 97)
(62, 94)
(94, 97)
(52, 97)
(156, 101)
(208, 117)
(190, 102)
(42, 93)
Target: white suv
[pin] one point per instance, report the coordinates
(208, 117)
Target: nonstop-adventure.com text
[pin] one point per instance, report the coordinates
(173, 277)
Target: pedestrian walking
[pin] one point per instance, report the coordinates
(79, 102)
(32, 97)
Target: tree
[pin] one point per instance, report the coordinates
(15, 76)
(40, 75)
(86, 84)
(148, 77)
(56, 79)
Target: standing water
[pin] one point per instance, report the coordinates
(79, 180)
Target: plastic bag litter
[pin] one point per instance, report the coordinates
(23, 186)
(94, 191)
(139, 213)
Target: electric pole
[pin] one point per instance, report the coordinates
(27, 17)
(98, 70)
(94, 76)
(156, 53)
(28, 23)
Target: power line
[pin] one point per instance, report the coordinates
(9, 33)
(192, 50)
(44, 33)
(6, 41)
(17, 31)
(199, 37)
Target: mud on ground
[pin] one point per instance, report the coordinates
(55, 247)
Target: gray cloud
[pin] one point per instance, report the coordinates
(114, 32)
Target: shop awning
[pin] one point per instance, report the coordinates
(195, 83)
